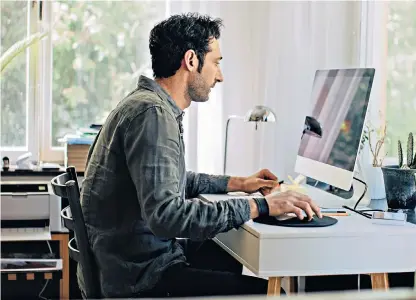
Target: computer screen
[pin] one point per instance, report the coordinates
(333, 127)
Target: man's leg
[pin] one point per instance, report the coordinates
(211, 263)
(184, 281)
(209, 256)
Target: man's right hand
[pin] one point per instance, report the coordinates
(291, 202)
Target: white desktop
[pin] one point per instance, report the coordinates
(333, 130)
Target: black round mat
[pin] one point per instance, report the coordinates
(295, 222)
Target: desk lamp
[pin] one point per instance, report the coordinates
(259, 113)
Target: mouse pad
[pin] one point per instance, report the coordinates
(295, 222)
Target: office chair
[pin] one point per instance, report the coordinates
(66, 186)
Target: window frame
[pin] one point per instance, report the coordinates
(47, 151)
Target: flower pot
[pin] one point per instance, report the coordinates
(375, 183)
(400, 185)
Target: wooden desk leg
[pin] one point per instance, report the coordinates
(273, 288)
(63, 252)
(380, 281)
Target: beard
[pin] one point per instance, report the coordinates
(198, 89)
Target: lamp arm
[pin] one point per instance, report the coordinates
(226, 140)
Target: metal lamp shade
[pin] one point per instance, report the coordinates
(260, 113)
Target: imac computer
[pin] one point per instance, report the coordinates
(333, 130)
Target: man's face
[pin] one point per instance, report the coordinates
(200, 84)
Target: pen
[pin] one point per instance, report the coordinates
(280, 182)
(335, 214)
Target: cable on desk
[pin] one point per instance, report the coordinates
(365, 191)
(359, 199)
(368, 216)
(361, 212)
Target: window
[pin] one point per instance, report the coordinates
(400, 68)
(391, 49)
(93, 56)
(99, 49)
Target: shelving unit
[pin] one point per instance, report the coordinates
(62, 275)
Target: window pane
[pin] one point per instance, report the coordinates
(401, 73)
(99, 50)
(14, 16)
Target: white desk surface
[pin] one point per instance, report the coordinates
(352, 246)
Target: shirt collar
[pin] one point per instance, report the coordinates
(150, 84)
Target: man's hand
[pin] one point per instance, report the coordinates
(292, 202)
(263, 181)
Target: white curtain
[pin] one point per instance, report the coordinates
(271, 51)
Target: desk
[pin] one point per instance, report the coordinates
(352, 246)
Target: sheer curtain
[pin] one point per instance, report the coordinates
(271, 51)
(203, 121)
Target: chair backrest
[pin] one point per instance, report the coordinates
(66, 186)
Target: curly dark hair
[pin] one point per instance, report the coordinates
(171, 38)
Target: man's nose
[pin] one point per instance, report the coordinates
(220, 77)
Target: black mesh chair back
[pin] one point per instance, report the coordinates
(66, 186)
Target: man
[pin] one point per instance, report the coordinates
(137, 197)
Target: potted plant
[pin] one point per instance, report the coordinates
(375, 140)
(400, 180)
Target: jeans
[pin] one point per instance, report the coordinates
(211, 272)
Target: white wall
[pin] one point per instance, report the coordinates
(271, 50)
(315, 35)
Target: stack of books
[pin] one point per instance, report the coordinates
(77, 146)
(76, 155)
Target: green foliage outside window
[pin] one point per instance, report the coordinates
(99, 50)
(13, 79)
(401, 73)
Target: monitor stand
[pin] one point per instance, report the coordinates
(327, 200)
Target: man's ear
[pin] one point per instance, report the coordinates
(191, 60)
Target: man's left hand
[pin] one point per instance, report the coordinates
(263, 181)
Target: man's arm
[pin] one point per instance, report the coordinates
(201, 183)
(152, 156)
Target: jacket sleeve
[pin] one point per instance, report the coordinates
(151, 145)
(201, 183)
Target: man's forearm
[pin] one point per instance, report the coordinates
(200, 183)
(235, 184)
